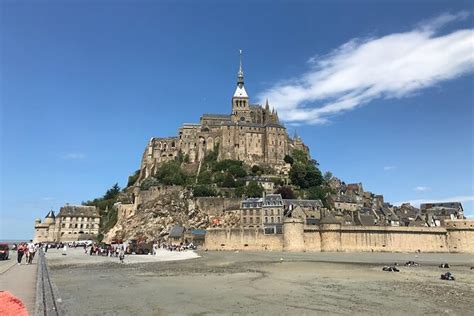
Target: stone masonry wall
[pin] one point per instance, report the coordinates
(333, 237)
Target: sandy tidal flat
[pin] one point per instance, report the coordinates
(268, 283)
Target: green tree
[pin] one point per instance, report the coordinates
(237, 171)
(286, 192)
(253, 189)
(228, 181)
(148, 183)
(289, 159)
(327, 176)
(170, 173)
(240, 191)
(133, 178)
(205, 177)
(300, 156)
(257, 170)
(204, 190)
(112, 192)
(306, 174)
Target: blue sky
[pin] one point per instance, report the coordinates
(382, 93)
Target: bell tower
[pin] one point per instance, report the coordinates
(240, 100)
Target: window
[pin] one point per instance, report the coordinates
(271, 219)
(75, 225)
(245, 220)
(266, 219)
(279, 219)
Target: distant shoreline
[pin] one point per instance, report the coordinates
(12, 241)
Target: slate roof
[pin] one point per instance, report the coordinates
(78, 211)
(177, 231)
(50, 214)
(329, 219)
(365, 220)
(303, 203)
(218, 116)
(272, 200)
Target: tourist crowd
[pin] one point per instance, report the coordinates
(26, 250)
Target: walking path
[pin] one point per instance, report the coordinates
(20, 280)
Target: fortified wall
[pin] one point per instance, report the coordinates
(456, 236)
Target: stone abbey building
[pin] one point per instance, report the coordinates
(250, 133)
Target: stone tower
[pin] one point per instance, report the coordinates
(240, 100)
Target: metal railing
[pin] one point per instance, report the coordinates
(47, 303)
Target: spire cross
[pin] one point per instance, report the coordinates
(240, 74)
(240, 52)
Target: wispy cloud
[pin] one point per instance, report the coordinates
(73, 156)
(47, 198)
(421, 188)
(389, 168)
(364, 69)
(417, 202)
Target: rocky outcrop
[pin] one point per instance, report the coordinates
(154, 219)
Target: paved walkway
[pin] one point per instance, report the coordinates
(20, 280)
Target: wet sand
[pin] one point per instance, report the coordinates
(262, 283)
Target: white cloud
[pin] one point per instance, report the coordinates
(362, 70)
(417, 202)
(47, 198)
(388, 168)
(73, 156)
(421, 188)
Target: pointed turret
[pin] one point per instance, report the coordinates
(50, 214)
(240, 90)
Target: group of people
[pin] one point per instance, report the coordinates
(107, 251)
(179, 248)
(27, 250)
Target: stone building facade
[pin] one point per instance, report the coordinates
(251, 133)
(74, 222)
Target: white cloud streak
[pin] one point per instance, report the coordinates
(389, 168)
(421, 188)
(362, 70)
(417, 202)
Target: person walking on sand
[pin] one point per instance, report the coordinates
(20, 252)
(121, 254)
(65, 249)
(31, 251)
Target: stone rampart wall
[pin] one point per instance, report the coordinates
(333, 237)
(242, 239)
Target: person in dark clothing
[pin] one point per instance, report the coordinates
(20, 252)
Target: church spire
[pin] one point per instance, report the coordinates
(240, 91)
(240, 74)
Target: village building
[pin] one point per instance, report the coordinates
(266, 183)
(345, 203)
(308, 210)
(442, 211)
(74, 222)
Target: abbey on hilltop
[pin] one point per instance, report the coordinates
(251, 133)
